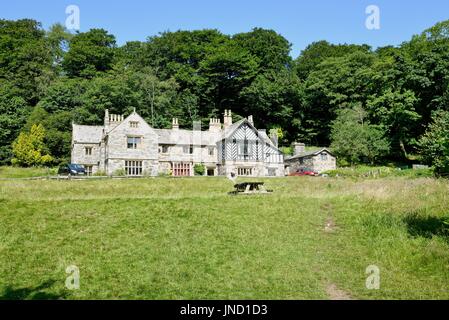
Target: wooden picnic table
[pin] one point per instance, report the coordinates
(250, 188)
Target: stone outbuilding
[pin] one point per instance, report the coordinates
(319, 160)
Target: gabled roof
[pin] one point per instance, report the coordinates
(87, 134)
(310, 153)
(262, 134)
(132, 114)
(230, 130)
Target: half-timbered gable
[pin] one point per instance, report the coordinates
(244, 150)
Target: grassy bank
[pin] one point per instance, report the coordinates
(168, 238)
(380, 172)
(7, 172)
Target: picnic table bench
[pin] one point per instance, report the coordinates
(247, 188)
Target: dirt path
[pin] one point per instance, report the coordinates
(336, 294)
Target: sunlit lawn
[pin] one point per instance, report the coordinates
(163, 238)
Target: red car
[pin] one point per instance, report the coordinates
(304, 172)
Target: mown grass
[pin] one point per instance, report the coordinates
(162, 238)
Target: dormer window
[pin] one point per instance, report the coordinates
(133, 124)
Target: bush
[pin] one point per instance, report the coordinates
(199, 169)
(29, 148)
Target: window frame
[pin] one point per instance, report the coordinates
(133, 168)
(134, 144)
(88, 151)
(187, 149)
(89, 169)
(165, 149)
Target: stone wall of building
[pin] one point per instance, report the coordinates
(160, 149)
(314, 162)
(117, 151)
(322, 165)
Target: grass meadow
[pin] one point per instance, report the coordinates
(167, 238)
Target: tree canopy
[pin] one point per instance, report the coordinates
(52, 77)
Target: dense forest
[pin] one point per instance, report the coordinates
(370, 105)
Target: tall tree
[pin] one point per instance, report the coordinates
(355, 139)
(58, 38)
(90, 52)
(271, 49)
(434, 144)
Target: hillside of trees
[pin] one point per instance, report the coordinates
(369, 105)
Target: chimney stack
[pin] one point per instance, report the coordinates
(112, 120)
(298, 148)
(175, 124)
(227, 122)
(214, 125)
(106, 117)
(274, 139)
(250, 120)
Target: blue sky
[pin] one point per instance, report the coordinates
(300, 21)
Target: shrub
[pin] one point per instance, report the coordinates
(29, 148)
(199, 169)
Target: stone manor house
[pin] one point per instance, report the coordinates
(131, 146)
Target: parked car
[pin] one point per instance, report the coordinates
(304, 172)
(72, 169)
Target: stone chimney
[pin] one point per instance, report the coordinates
(250, 120)
(196, 133)
(227, 122)
(214, 125)
(298, 148)
(106, 117)
(274, 138)
(112, 120)
(175, 124)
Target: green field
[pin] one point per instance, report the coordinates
(166, 238)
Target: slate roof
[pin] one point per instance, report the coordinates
(87, 134)
(94, 134)
(308, 154)
(187, 137)
(264, 136)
